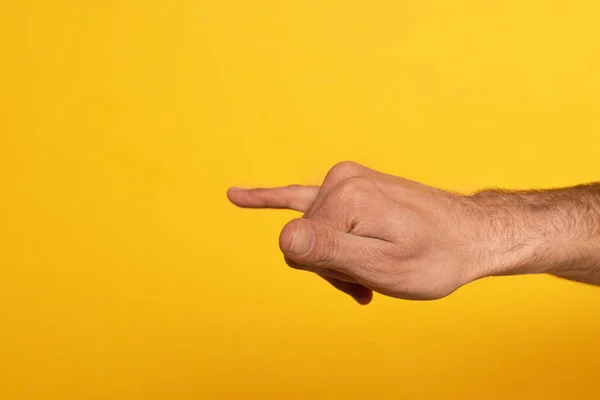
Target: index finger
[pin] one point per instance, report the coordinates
(293, 197)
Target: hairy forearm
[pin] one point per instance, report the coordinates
(553, 231)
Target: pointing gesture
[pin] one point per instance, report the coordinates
(363, 230)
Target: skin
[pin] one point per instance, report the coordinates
(366, 231)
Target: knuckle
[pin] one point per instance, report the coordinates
(328, 250)
(352, 192)
(344, 170)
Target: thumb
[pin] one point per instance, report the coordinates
(314, 244)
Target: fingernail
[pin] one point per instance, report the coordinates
(302, 241)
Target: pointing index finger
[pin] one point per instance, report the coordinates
(293, 197)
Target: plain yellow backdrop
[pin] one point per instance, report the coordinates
(124, 272)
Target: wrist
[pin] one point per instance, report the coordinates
(537, 232)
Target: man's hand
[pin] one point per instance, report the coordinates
(363, 230)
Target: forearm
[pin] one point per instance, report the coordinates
(553, 231)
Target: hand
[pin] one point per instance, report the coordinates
(363, 230)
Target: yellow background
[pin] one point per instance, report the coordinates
(125, 274)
